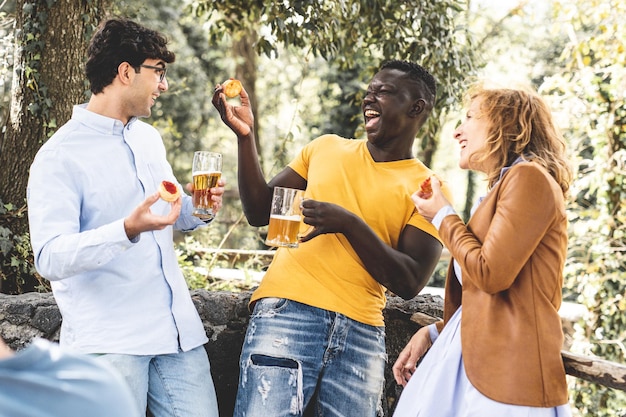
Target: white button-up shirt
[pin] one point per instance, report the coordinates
(115, 296)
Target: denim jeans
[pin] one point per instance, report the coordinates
(296, 357)
(173, 385)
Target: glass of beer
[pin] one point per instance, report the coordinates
(285, 217)
(206, 171)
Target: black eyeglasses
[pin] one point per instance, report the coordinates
(161, 71)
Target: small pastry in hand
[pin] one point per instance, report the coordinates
(231, 87)
(169, 191)
(426, 190)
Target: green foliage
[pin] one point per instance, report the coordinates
(32, 44)
(16, 254)
(6, 60)
(358, 34)
(184, 115)
(314, 62)
(204, 270)
(591, 91)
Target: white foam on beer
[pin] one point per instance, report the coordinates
(293, 217)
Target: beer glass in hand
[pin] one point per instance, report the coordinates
(206, 171)
(285, 217)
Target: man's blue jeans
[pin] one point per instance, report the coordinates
(174, 385)
(296, 354)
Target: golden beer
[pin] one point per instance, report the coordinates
(203, 181)
(283, 231)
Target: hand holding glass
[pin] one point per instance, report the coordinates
(206, 172)
(285, 217)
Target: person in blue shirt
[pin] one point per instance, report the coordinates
(103, 237)
(42, 380)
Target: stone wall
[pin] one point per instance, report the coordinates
(225, 317)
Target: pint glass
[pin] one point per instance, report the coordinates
(285, 217)
(206, 171)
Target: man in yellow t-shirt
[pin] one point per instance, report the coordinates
(316, 336)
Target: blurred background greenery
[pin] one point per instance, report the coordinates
(306, 65)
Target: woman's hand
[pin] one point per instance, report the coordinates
(405, 365)
(429, 204)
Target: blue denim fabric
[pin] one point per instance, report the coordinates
(173, 385)
(296, 357)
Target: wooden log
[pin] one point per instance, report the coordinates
(595, 370)
(423, 319)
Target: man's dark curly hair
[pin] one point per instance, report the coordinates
(426, 82)
(121, 40)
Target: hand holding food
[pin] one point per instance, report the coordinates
(426, 190)
(237, 116)
(169, 191)
(231, 87)
(429, 198)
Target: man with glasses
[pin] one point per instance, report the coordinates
(103, 237)
(161, 71)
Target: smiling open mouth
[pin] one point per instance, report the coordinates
(371, 117)
(370, 114)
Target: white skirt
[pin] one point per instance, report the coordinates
(440, 388)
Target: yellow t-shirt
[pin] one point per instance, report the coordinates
(326, 272)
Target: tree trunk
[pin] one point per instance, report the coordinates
(245, 70)
(50, 44)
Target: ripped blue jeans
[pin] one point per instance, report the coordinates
(297, 356)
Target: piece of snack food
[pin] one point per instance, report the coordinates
(231, 87)
(169, 191)
(426, 189)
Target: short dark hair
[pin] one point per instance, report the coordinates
(418, 73)
(121, 40)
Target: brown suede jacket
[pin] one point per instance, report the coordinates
(512, 254)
